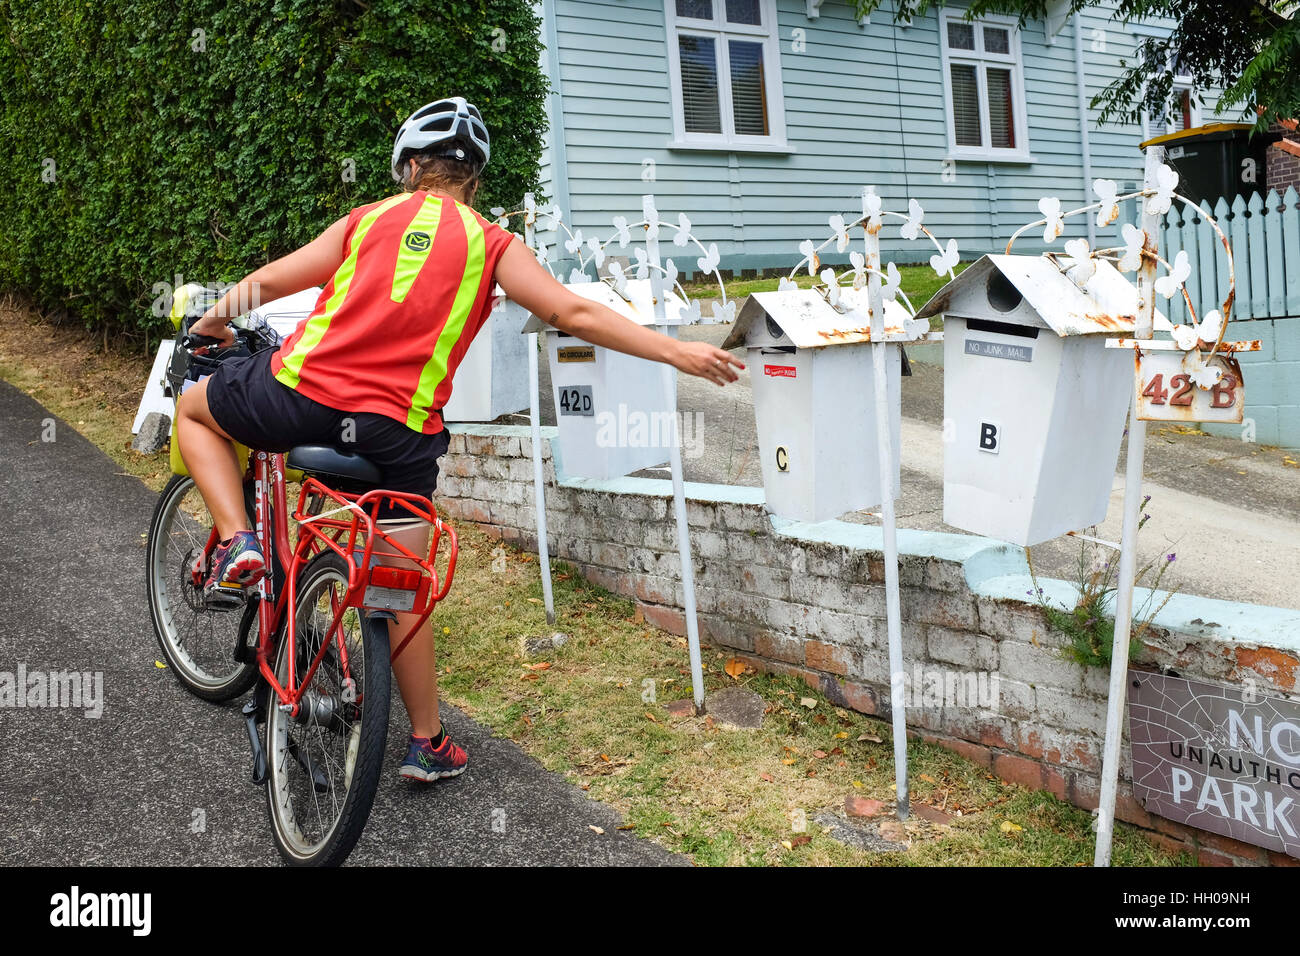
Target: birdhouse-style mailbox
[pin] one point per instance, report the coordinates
(814, 399)
(613, 412)
(492, 378)
(1034, 403)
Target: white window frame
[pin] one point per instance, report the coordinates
(721, 31)
(981, 60)
(1175, 116)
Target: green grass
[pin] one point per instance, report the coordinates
(919, 283)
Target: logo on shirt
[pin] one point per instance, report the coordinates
(417, 241)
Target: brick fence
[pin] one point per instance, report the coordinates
(808, 600)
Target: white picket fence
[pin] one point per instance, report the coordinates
(1265, 236)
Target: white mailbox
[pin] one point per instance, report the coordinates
(492, 378)
(814, 399)
(613, 412)
(1034, 403)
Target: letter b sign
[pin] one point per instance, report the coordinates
(990, 437)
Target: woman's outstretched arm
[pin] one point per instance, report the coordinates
(530, 285)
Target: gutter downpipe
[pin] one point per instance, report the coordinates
(1083, 124)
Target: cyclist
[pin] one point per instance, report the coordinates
(408, 282)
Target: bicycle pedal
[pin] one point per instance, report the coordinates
(221, 597)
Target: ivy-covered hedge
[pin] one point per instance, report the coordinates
(141, 139)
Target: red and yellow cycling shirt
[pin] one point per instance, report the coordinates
(393, 323)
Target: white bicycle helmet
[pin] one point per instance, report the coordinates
(453, 121)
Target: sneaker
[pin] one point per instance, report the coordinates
(236, 564)
(424, 762)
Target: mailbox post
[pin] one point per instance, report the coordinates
(1207, 365)
(617, 413)
(794, 319)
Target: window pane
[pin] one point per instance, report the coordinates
(996, 40)
(1002, 124)
(965, 106)
(699, 84)
(747, 99)
(695, 9)
(961, 36)
(744, 11)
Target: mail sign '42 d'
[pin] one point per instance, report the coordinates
(1169, 392)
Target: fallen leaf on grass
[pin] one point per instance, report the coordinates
(809, 702)
(541, 666)
(766, 777)
(788, 761)
(735, 668)
(651, 717)
(604, 757)
(800, 841)
(842, 735)
(928, 779)
(869, 739)
(1009, 827)
(529, 676)
(628, 826)
(819, 754)
(787, 844)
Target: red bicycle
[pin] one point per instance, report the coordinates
(315, 628)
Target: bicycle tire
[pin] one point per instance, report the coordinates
(208, 669)
(294, 776)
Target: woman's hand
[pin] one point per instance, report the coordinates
(214, 328)
(706, 361)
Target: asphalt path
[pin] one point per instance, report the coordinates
(162, 778)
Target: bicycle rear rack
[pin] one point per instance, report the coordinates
(349, 525)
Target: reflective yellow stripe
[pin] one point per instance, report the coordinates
(413, 252)
(318, 325)
(435, 370)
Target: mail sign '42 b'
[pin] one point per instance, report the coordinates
(1168, 392)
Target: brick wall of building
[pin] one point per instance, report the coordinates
(1283, 159)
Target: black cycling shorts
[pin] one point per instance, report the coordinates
(256, 410)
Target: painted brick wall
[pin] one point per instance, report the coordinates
(1272, 382)
(808, 600)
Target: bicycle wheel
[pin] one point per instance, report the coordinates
(198, 643)
(325, 762)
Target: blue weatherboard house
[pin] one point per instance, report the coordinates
(761, 118)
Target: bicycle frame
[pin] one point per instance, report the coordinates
(359, 541)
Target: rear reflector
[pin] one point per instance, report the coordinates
(401, 579)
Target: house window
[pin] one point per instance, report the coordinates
(983, 82)
(725, 71)
(1185, 112)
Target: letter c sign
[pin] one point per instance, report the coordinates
(782, 458)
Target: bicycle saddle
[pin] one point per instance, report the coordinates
(342, 469)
